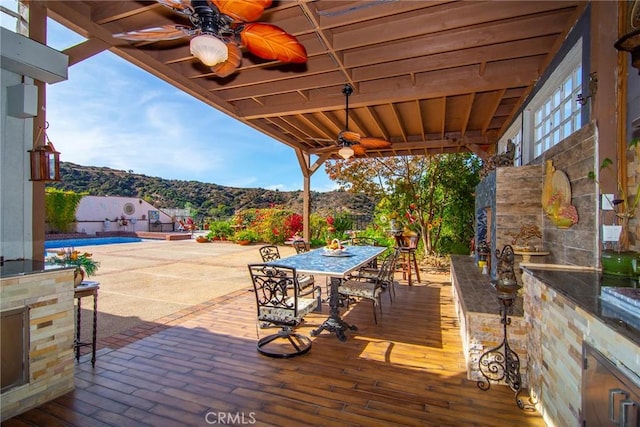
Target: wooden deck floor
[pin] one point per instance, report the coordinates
(201, 366)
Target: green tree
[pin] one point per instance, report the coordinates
(60, 209)
(430, 195)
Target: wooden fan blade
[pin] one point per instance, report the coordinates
(228, 67)
(347, 135)
(373, 143)
(270, 42)
(164, 32)
(182, 6)
(359, 150)
(242, 10)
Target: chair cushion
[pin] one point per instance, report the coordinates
(285, 315)
(305, 281)
(357, 288)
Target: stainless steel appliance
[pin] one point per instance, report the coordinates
(610, 394)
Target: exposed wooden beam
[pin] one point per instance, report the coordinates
(85, 50)
(430, 85)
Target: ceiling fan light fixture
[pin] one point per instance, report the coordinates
(209, 49)
(346, 152)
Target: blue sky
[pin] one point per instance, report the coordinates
(114, 114)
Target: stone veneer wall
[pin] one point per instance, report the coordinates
(477, 307)
(513, 194)
(556, 333)
(49, 296)
(577, 245)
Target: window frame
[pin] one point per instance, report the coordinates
(524, 123)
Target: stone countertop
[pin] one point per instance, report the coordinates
(477, 294)
(22, 267)
(585, 288)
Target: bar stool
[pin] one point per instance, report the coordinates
(407, 256)
(87, 288)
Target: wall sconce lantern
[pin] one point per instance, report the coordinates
(630, 42)
(45, 160)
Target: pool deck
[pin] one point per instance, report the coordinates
(142, 282)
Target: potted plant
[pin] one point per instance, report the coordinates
(246, 236)
(83, 262)
(621, 261)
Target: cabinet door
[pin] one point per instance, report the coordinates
(609, 398)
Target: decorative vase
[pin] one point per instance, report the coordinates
(78, 276)
(623, 264)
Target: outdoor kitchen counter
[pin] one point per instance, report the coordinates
(478, 311)
(567, 313)
(585, 288)
(25, 266)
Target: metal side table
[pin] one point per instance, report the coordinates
(87, 288)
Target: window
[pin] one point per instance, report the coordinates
(558, 116)
(13, 16)
(552, 114)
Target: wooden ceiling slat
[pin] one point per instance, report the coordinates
(103, 12)
(454, 17)
(458, 39)
(492, 108)
(380, 130)
(315, 125)
(444, 60)
(316, 67)
(467, 113)
(307, 83)
(338, 15)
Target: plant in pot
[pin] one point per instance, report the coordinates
(83, 262)
(246, 236)
(621, 261)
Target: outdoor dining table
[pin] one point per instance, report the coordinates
(337, 267)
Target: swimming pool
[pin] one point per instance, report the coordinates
(68, 243)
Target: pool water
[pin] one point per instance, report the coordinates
(68, 243)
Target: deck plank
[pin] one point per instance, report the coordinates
(407, 370)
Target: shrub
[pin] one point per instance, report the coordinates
(221, 229)
(246, 235)
(272, 225)
(60, 209)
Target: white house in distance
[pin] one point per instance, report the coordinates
(97, 214)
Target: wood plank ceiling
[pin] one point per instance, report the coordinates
(429, 76)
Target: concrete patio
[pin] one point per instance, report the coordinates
(153, 279)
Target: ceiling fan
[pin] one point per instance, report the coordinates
(352, 143)
(218, 29)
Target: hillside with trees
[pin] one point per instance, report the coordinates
(208, 200)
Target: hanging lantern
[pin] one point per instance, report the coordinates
(45, 161)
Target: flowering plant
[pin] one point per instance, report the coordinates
(77, 259)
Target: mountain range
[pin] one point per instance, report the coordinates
(209, 200)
